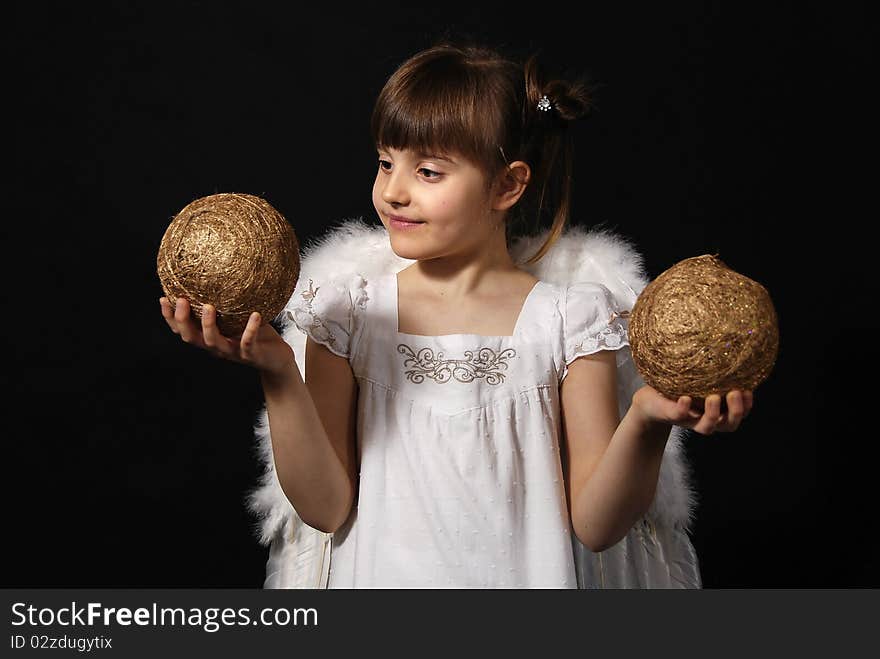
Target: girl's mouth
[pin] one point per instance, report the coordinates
(400, 223)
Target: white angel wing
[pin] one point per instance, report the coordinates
(657, 551)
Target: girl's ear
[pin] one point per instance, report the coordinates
(510, 185)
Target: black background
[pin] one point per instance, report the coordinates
(729, 128)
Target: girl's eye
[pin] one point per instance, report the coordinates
(430, 173)
(383, 163)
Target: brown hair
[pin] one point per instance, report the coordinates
(473, 100)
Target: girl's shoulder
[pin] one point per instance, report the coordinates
(576, 307)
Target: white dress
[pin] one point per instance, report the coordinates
(458, 436)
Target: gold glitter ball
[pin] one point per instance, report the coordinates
(701, 328)
(233, 251)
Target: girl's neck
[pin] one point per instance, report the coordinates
(460, 276)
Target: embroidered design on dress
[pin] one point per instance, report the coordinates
(320, 329)
(486, 364)
(362, 298)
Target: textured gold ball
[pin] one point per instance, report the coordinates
(233, 251)
(701, 328)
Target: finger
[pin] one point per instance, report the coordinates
(216, 342)
(249, 335)
(735, 411)
(748, 400)
(188, 330)
(687, 401)
(168, 314)
(711, 416)
(682, 413)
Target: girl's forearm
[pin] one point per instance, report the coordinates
(310, 472)
(622, 486)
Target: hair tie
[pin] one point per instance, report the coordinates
(544, 104)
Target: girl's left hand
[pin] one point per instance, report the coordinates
(654, 406)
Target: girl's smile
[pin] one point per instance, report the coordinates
(398, 223)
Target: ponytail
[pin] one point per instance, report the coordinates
(548, 145)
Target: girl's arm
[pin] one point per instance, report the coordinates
(612, 464)
(312, 426)
(610, 475)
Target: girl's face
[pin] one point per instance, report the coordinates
(445, 193)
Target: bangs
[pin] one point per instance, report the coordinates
(435, 107)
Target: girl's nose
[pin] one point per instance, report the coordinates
(395, 191)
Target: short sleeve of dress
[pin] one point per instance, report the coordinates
(592, 322)
(326, 311)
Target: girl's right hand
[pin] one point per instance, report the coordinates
(259, 345)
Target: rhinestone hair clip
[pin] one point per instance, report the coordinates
(544, 104)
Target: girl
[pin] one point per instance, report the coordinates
(459, 424)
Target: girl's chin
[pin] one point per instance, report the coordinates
(408, 248)
(405, 253)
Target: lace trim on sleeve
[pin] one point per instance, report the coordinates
(594, 323)
(310, 322)
(612, 337)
